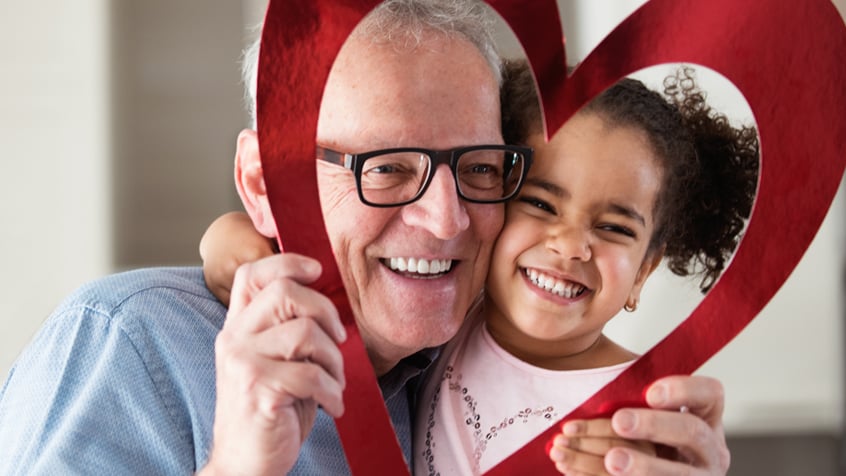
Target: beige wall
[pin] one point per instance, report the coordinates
(55, 135)
(177, 110)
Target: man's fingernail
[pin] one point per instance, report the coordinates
(618, 460)
(625, 420)
(313, 267)
(657, 395)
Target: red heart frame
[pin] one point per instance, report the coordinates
(769, 49)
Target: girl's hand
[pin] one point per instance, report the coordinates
(581, 447)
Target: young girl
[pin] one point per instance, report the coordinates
(632, 179)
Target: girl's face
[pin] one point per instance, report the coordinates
(574, 245)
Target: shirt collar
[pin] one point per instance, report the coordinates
(406, 369)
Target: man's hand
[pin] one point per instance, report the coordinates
(695, 435)
(277, 358)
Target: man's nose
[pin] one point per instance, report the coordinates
(439, 210)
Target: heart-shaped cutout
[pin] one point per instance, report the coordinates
(766, 48)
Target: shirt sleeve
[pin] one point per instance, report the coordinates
(80, 400)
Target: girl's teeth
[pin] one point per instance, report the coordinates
(560, 288)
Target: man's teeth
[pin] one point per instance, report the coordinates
(561, 288)
(420, 265)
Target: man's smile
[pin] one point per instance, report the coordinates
(418, 267)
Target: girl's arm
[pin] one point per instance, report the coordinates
(229, 242)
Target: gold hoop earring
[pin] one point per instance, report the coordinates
(630, 307)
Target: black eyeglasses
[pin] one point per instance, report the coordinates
(394, 177)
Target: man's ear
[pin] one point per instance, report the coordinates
(249, 180)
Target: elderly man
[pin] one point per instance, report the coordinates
(125, 376)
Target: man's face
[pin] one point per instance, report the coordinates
(439, 95)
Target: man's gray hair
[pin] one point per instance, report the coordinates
(405, 23)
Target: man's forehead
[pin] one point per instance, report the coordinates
(402, 95)
(445, 47)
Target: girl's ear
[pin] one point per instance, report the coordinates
(249, 180)
(650, 263)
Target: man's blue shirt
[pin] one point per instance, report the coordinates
(121, 380)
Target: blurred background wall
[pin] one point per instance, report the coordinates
(118, 122)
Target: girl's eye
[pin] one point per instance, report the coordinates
(619, 229)
(536, 203)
